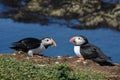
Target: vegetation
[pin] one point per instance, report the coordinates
(10, 69)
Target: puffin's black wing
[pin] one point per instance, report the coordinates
(90, 51)
(19, 47)
(101, 56)
(94, 53)
(26, 44)
(30, 43)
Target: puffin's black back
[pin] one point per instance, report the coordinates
(26, 44)
(90, 51)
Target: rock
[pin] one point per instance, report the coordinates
(57, 62)
(71, 62)
(91, 14)
(59, 57)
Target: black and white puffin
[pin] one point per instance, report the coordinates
(33, 45)
(84, 50)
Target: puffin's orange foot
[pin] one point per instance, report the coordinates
(81, 59)
(37, 55)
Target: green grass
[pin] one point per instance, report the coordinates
(16, 70)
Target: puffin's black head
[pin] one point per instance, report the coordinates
(79, 40)
(48, 42)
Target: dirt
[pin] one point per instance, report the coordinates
(72, 61)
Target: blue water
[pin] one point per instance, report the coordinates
(106, 39)
(10, 31)
(111, 1)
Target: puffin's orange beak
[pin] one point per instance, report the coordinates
(53, 43)
(72, 40)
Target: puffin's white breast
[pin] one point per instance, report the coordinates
(41, 48)
(77, 50)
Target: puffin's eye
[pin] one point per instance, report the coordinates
(47, 40)
(79, 38)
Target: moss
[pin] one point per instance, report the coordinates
(11, 69)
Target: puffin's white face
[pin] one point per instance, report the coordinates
(77, 40)
(49, 42)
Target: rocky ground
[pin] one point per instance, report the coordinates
(73, 62)
(90, 14)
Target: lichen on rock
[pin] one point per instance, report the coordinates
(89, 13)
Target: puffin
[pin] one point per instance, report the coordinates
(33, 46)
(84, 50)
